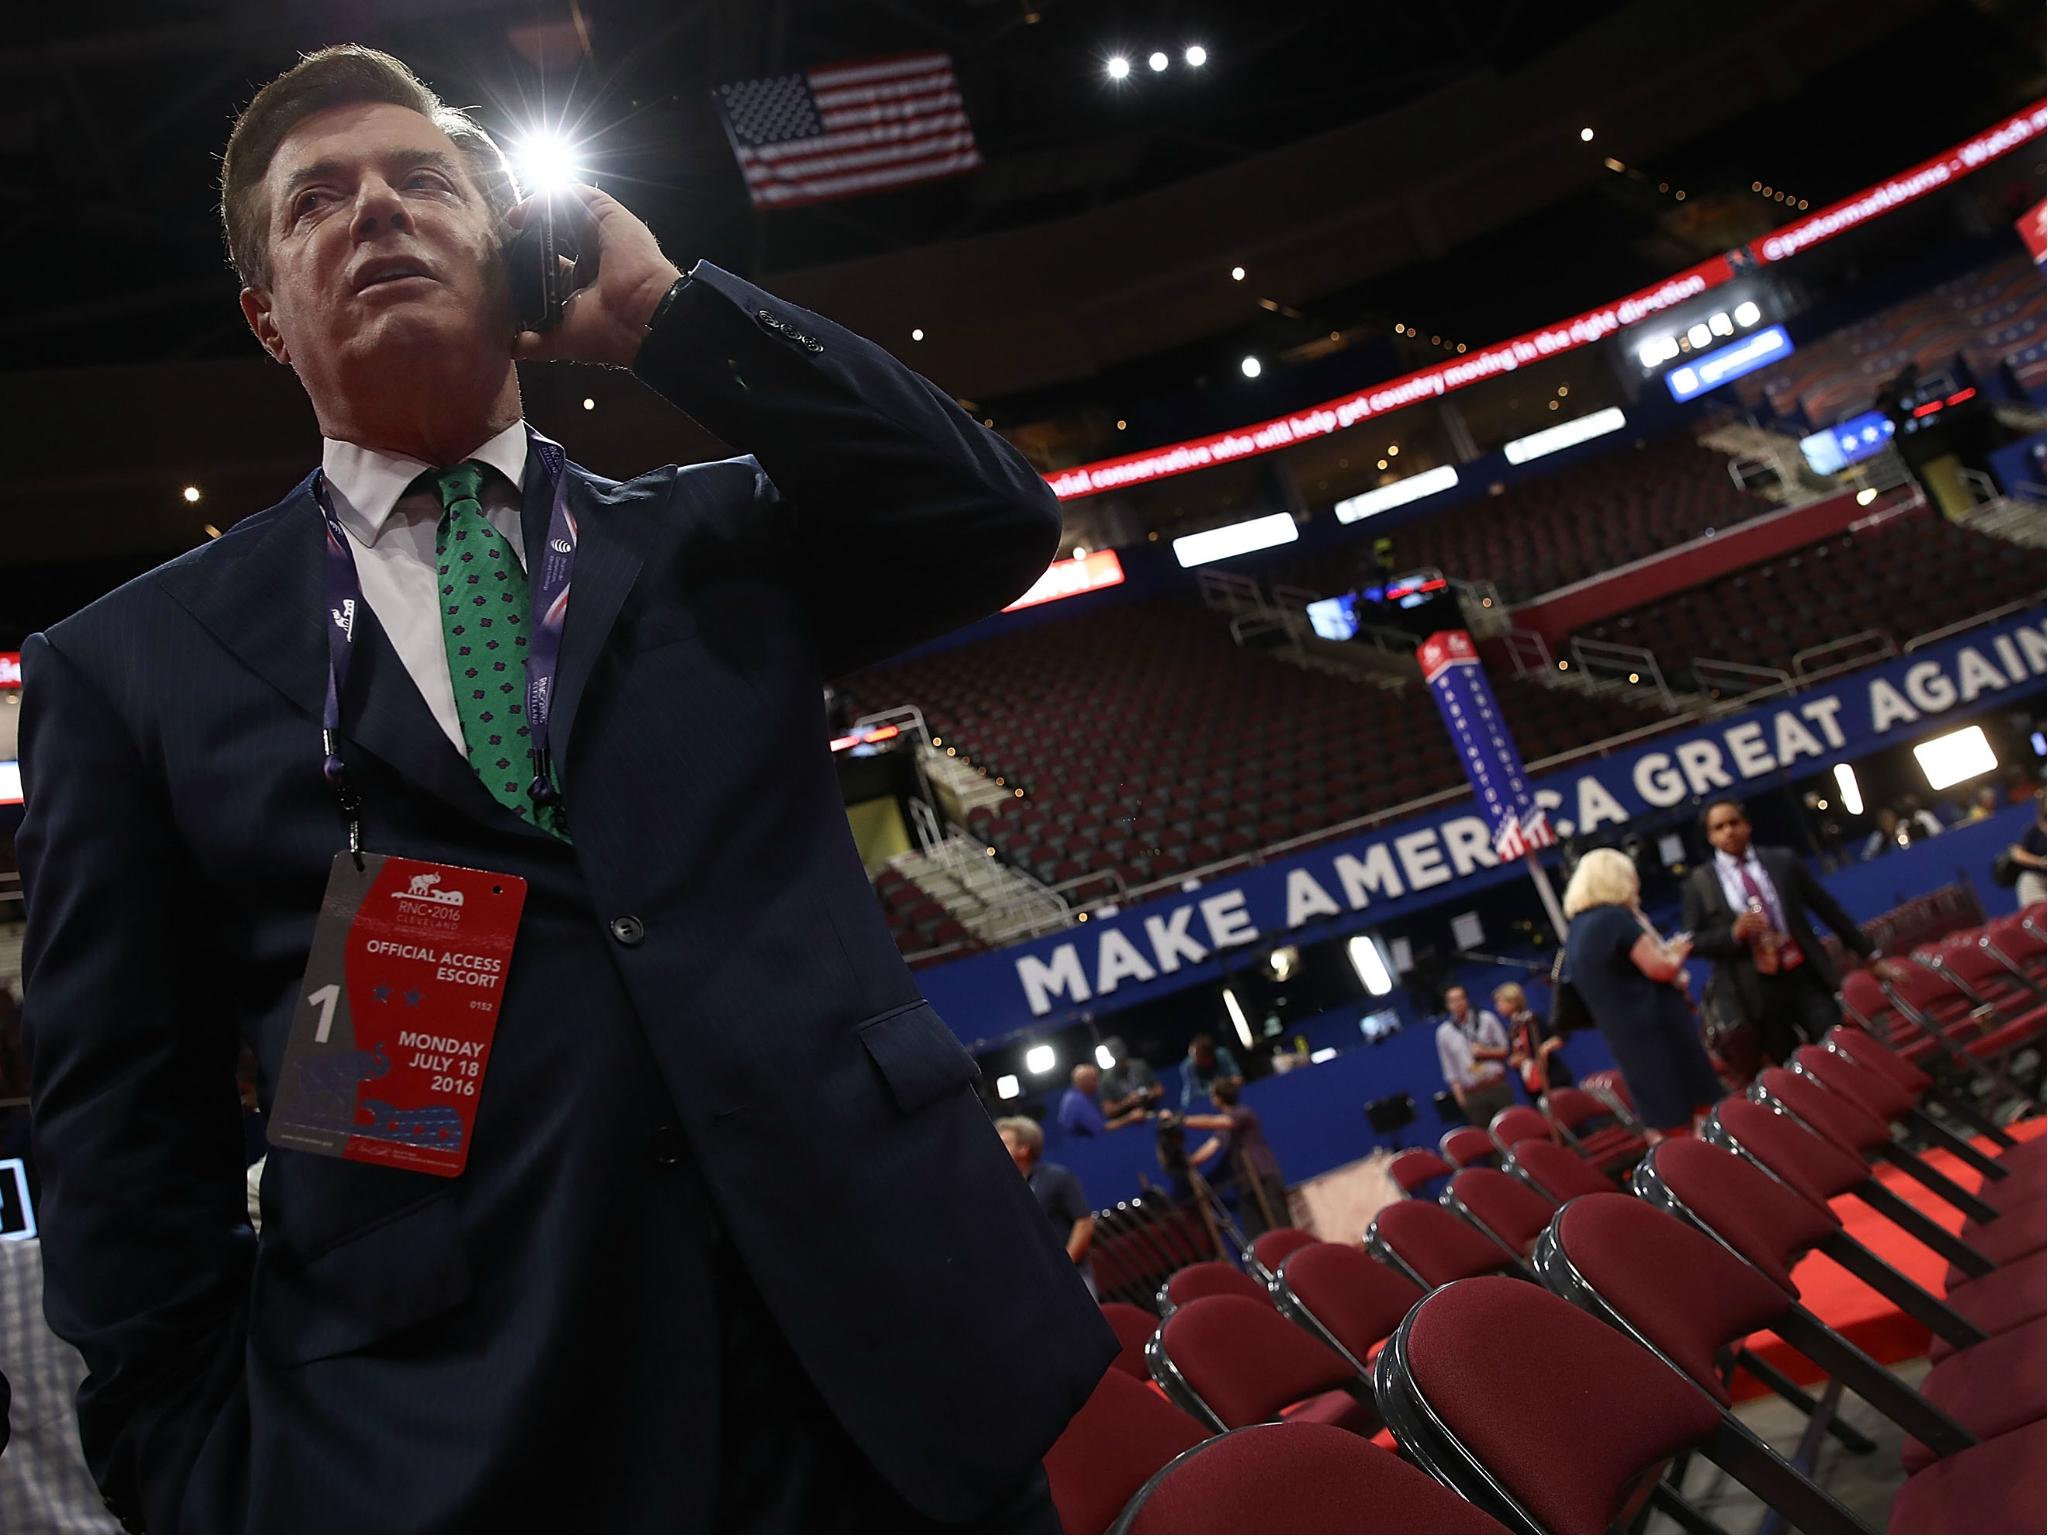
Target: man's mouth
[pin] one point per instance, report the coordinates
(390, 270)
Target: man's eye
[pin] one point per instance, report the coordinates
(305, 202)
(427, 179)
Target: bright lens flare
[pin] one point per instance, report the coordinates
(544, 162)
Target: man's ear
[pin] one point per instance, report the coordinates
(256, 310)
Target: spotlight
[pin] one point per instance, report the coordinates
(1104, 1058)
(191, 495)
(1158, 61)
(1196, 56)
(589, 404)
(1852, 792)
(1585, 135)
(1371, 965)
(1007, 1086)
(544, 162)
(1040, 1059)
(1250, 367)
(1748, 313)
(1118, 67)
(917, 335)
(1698, 334)
(1237, 274)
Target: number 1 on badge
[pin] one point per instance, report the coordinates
(324, 1000)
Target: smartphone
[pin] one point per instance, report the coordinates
(533, 267)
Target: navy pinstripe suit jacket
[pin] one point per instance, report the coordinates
(528, 1343)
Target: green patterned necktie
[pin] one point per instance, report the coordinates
(484, 618)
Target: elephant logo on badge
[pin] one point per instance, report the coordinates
(422, 888)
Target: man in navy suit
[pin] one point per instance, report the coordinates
(736, 1245)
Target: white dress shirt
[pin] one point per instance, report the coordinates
(1730, 872)
(1454, 1044)
(393, 534)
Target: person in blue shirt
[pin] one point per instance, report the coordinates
(1080, 1111)
(1207, 1064)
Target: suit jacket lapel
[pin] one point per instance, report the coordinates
(607, 565)
(266, 602)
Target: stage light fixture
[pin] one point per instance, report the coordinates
(1158, 61)
(1719, 323)
(1585, 135)
(1748, 312)
(544, 162)
(917, 334)
(1196, 56)
(589, 404)
(1237, 1019)
(1237, 274)
(1007, 1086)
(191, 494)
(1040, 1059)
(1118, 67)
(1957, 756)
(1371, 965)
(1105, 1058)
(1698, 334)
(1250, 368)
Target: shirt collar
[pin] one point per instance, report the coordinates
(368, 483)
(1728, 861)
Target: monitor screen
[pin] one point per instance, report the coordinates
(1849, 442)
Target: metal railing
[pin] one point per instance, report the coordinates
(2017, 605)
(1528, 651)
(1876, 643)
(1598, 656)
(1732, 680)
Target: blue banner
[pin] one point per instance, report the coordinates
(1454, 674)
(1174, 940)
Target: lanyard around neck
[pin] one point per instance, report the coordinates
(548, 582)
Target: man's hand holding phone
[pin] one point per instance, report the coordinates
(614, 284)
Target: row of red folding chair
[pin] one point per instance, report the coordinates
(1131, 1461)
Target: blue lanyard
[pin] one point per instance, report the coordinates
(548, 579)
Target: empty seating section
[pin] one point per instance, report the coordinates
(1548, 532)
(1903, 577)
(916, 920)
(1148, 744)
(1985, 317)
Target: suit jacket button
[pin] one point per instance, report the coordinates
(628, 930)
(667, 1146)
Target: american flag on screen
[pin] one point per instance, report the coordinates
(847, 129)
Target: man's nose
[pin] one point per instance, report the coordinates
(379, 208)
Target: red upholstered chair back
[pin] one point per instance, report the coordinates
(1574, 1108)
(1518, 1122)
(1964, 954)
(1504, 1205)
(1245, 1361)
(1271, 1248)
(1923, 989)
(2018, 935)
(1215, 1278)
(1359, 1300)
(1817, 1168)
(1467, 1146)
(1864, 997)
(1417, 1166)
(1134, 1329)
(1609, 1082)
(1559, 1171)
(1675, 1287)
(1855, 1130)
(1123, 1434)
(1297, 1477)
(1581, 1453)
(1761, 1219)
(1866, 1050)
(1870, 1091)
(1435, 1245)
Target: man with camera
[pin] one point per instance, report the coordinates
(566, 1013)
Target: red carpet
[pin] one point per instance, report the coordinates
(1845, 1303)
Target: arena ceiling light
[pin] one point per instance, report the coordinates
(1105, 1058)
(1580, 429)
(1959, 755)
(1371, 965)
(1251, 368)
(1192, 549)
(1354, 509)
(1040, 1059)
(1196, 56)
(1118, 67)
(1007, 1086)
(1748, 312)
(1159, 61)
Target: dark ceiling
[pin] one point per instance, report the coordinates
(112, 117)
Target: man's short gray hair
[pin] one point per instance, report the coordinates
(1026, 1130)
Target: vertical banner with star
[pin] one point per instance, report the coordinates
(1452, 669)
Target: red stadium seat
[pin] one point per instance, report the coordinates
(1296, 1477)
(1353, 1302)
(1231, 1361)
(1123, 1434)
(1433, 1247)
(1467, 1146)
(1212, 1278)
(1505, 1208)
(1417, 1167)
(1518, 1122)
(1557, 1172)
(1134, 1327)
(1270, 1249)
